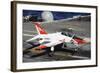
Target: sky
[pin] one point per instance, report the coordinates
(57, 15)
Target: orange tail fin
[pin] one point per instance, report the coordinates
(39, 28)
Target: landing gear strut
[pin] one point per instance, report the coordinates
(51, 52)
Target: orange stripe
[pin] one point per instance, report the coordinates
(40, 29)
(42, 46)
(79, 41)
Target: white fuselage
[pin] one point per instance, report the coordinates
(51, 40)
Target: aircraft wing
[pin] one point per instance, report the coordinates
(38, 50)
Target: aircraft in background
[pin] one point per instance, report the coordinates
(29, 18)
(44, 40)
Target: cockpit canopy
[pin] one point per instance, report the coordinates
(67, 34)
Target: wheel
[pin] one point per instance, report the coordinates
(75, 51)
(50, 54)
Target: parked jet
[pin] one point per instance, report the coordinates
(46, 40)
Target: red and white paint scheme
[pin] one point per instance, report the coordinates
(53, 39)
